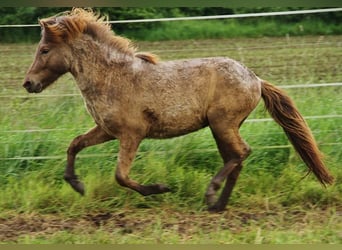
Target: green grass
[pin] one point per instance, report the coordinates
(270, 204)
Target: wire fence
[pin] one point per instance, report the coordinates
(294, 86)
(209, 47)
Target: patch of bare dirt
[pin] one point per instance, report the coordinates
(126, 222)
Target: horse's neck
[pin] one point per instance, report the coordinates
(96, 67)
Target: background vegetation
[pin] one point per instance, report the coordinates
(272, 202)
(315, 24)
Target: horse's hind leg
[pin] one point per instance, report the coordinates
(128, 149)
(227, 190)
(95, 136)
(233, 151)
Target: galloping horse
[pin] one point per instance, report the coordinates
(133, 96)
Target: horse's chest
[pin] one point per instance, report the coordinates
(105, 116)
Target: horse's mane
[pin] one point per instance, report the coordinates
(68, 25)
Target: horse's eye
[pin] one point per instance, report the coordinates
(44, 51)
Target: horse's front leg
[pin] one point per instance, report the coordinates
(128, 148)
(95, 136)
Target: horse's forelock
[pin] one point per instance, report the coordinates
(69, 25)
(62, 28)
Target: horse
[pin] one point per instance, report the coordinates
(132, 95)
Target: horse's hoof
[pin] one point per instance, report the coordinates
(216, 209)
(163, 189)
(154, 189)
(76, 185)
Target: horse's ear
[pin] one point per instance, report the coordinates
(45, 28)
(62, 28)
(45, 23)
(50, 31)
(42, 24)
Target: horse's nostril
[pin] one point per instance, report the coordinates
(27, 84)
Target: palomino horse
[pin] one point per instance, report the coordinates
(132, 96)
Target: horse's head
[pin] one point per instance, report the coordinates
(57, 49)
(51, 59)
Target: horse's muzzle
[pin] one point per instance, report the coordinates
(32, 87)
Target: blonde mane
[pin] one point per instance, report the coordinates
(69, 25)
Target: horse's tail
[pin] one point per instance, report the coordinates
(285, 113)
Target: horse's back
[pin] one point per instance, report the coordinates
(182, 94)
(176, 97)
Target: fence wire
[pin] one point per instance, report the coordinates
(170, 19)
(185, 50)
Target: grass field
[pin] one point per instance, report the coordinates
(270, 204)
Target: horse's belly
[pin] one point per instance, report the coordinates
(167, 125)
(170, 131)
